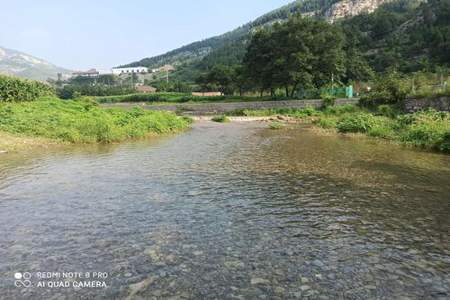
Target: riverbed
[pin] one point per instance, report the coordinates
(228, 211)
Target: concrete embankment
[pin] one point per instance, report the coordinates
(201, 109)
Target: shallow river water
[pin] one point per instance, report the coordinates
(232, 211)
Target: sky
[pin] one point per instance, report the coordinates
(102, 34)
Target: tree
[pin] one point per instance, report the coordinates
(108, 79)
(240, 79)
(259, 60)
(357, 66)
(301, 52)
(222, 76)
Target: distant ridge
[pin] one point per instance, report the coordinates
(16, 63)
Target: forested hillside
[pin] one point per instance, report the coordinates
(411, 35)
(229, 47)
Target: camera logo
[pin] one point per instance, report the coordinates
(22, 280)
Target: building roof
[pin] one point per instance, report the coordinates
(129, 68)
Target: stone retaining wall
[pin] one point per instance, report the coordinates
(438, 103)
(225, 107)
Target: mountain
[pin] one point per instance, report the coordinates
(187, 58)
(409, 35)
(19, 64)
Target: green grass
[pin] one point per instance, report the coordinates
(427, 129)
(276, 126)
(82, 121)
(220, 119)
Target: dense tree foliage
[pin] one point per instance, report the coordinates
(300, 53)
(16, 89)
(410, 35)
(103, 85)
(407, 34)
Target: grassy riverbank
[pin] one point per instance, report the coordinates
(82, 121)
(429, 129)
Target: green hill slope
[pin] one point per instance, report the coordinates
(411, 34)
(195, 52)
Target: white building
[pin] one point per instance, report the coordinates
(136, 70)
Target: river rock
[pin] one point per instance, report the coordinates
(259, 281)
(304, 280)
(318, 263)
(305, 287)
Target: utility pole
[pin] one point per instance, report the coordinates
(167, 75)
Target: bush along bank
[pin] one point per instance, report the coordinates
(14, 89)
(83, 121)
(426, 129)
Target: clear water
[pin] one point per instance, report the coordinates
(232, 211)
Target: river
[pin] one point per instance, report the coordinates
(228, 211)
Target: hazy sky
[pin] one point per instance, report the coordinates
(81, 34)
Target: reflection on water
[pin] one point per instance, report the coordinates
(230, 211)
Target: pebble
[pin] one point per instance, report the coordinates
(153, 254)
(233, 264)
(318, 263)
(305, 287)
(297, 295)
(258, 281)
(304, 280)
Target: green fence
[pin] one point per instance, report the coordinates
(338, 92)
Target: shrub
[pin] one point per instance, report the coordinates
(382, 130)
(360, 122)
(327, 122)
(276, 125)
(444, 144)
(328, 100)
(340, 110)
(389, 88)
(429, 129)
(387, 111)
(16, 89)
(221, 119)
